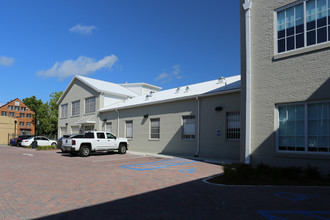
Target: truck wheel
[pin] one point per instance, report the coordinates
(84, 151)
(122, 149)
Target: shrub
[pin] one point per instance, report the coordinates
(46, 148)
(312, 172)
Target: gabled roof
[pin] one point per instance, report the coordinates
(106, 87)
(100, 86)
(184, 92)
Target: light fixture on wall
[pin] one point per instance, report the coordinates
(66, 124)
(105, 120)
(218, 109)
(146, 116)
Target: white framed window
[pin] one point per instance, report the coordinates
(64, 111)
(11, 114)
(28, 124)
(17, 108)
(22, 115)
(304, 127)
(75, 129)
(29, 115)
(16, 103)
(233, 131)
(23, 109)
(129, 129)
(3, 113)
(10, 107)
(76, 108)
(304, 24)
(21, 124)
(89, 127)
(108, 126)
(155, 128)
(89, 105)
(189, 127)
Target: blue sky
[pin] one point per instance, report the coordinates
(167, 43)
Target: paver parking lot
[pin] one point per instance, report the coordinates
(52, 185)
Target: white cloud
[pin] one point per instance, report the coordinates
(82, 29)
(82, 66)
(6, 61)
(167, 77)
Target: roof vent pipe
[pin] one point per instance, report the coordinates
(221, 80)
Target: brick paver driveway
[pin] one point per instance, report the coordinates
(52, 185)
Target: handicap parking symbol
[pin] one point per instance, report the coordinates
(187, 170)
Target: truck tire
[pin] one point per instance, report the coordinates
(84, 151)
(122, 149)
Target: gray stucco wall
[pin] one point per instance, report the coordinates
(170, 115)
(78, 91)
(303, 77)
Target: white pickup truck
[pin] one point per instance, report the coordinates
(94, 141)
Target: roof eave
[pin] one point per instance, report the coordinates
(172, 100)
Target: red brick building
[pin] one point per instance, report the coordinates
(23, 116)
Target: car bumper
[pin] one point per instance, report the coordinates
(68, 149)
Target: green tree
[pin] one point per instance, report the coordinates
(53, 111)
(46, 113)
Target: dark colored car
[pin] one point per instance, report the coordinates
(59, 141)
(20, 138)
(13, 141)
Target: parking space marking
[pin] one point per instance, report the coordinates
(126, 158)
(158, 164)
(31, 155)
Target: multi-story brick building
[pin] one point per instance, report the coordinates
(22, 114)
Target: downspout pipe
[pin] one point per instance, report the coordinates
(247, 154)
(117, 122)
(198, 127)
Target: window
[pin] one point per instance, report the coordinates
(188, 129)
(129, 129)
(302, 25)
(29, 115)
(3, 113)
(89, 135)
(108, 126)
(17, 108)
(28, 124)
(304, 127)
(21, 124)
(155, 128)
(64, 111)
(110, 136)
(100, 135)
(23, 109)
(76, 108)
(11, 114)
(90, 105)
(16, 103)
(22, 115)
(233, 131)
(89, 127)
(10, 107)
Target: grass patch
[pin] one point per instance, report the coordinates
(242, 174)
(46, 147)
